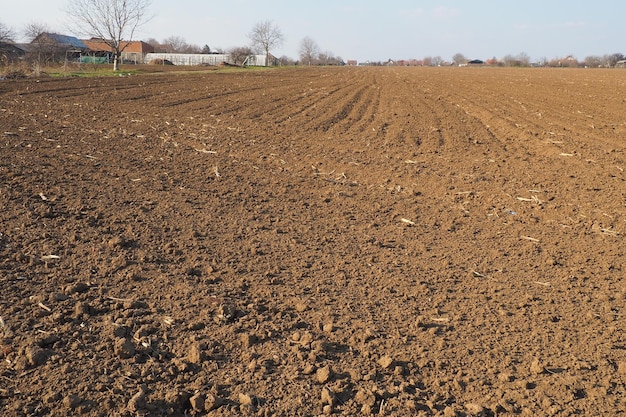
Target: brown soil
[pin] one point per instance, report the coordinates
(316, 241)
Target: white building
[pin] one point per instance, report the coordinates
(206, 59)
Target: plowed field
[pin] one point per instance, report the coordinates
(388, 241)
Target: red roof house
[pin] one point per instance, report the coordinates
(133, 51)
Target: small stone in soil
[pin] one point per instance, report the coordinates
(49, 340)
(196, 355)
(505, 377)
(226, 312)
(137, 402)
(245, 399)
(51, 397)
(57, 296)
(308, 369)
(385, 362)
(72, 401)
(116, 241)
(327, 396)
(77, 287)
(81, 309)
(35, 356)
(365, 397)
(124, 348)
(536, 367)
(198, 402)
(211, 402)
(247, 340)
(323, 374)
(474, 409)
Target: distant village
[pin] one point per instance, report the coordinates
(54, 48)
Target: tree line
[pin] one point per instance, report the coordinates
(520, 60)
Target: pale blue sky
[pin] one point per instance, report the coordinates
(378, 30)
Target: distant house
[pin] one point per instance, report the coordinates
(568, 61)
(61, 41)
(10, 53)
(54, 47)
(621, 64)
(351, 62)
(133, 51)
(493, 61)
(409, 63)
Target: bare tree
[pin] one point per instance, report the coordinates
(324, 57)
(511, 61)
(192, 49)
(113, 21)
(6, 33)
(309, 50)
(240, 54)
(459, 59)
(569, 61)
(593, 61)
(436, 61)
(174, 44)
(7, 54)
(156, 45)
(177, 44)
(286, 60)
(34, 29)
(523, 59)
(328, 58)
(42, 50)
(613, 59)
(265, 36)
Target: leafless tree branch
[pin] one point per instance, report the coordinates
(113, 21)
(266, 36)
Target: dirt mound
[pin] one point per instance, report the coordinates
(314, 241)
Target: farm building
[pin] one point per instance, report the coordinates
(10, 53)
(188, 59)
(133, 51)
(59, 41)
(206, 59)
(54, 47)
